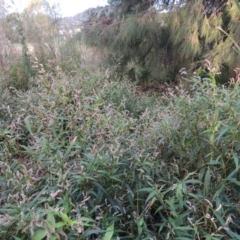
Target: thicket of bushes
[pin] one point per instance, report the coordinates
(84, 157)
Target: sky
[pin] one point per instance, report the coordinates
(72, 7)
(67, 7)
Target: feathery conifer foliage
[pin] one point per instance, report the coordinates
(155, 39)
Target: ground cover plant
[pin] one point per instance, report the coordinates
(85, 157)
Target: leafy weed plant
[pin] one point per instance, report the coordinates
(80, 162)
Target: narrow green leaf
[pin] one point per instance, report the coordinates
(99, 186)
(201, 173)
(184, 228)
(51, 219)
(28, 125)
(41, 156)
(179, 194)
(60, 224)
(66, 203)
(189, 175)
(234, 180)
(192, 181)
(52, 237)
(65, 218)
(233, 234)
(16, 238)
(222, 131)
(141, 221)
(108, 235)
(31, 204)
(232, 174)
(171, 205)
(211, 138)
(195, 196)
(66, 155)
(236, 160)
(44, 143)
(218, 192)
(207, 182)
(103, 172)
(151, 195)
(40, 234)
(213, 162)
(139, 225)
(30, 151)
(115, 179)
(221, 220)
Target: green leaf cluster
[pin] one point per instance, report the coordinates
(80, 160)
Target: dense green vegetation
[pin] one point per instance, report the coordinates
(80, 154)
(87, 155)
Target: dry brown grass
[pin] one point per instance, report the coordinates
(92, 56)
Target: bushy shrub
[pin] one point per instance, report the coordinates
(123, 96)
(77, 160)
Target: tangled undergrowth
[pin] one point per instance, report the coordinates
(83, 157)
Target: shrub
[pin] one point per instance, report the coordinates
(123, 96)
(78, 160)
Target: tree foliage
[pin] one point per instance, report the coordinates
(32, 30)
(155, 39)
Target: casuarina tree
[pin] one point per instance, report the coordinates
(153, 39)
